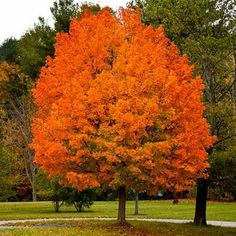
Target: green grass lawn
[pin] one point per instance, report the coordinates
(147, 209)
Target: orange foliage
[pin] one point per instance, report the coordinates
(119, 106)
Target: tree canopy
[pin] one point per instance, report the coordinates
(118, 106)
(8, 50)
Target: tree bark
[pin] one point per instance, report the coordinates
(34, 194)
(122, 201)
(201, 200)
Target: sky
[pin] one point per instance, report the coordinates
(17, 16)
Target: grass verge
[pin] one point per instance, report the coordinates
(147, 209)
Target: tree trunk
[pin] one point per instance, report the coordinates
(122, 201)
(34, 195)
(136, 204)
(30, 170)
(57, 204)
(201, 200)
(78, 206)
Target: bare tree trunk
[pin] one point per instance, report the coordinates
(21, 115)
(33, 183)
(136, 204)
(122, 201)
(201, 200)
(34, 195)
(33, 170)
(30, 170)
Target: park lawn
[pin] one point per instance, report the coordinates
(110, 228)
(147, 209)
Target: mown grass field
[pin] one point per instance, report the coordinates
(147, 209)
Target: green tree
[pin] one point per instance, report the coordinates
(8, 50)
(34, 46)
(37, 43)
(63, 11)
(205, 31)
(223, 174)
(50, 189)
(80, 199)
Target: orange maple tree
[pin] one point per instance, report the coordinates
(118, 106)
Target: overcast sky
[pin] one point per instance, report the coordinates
(16, 16)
